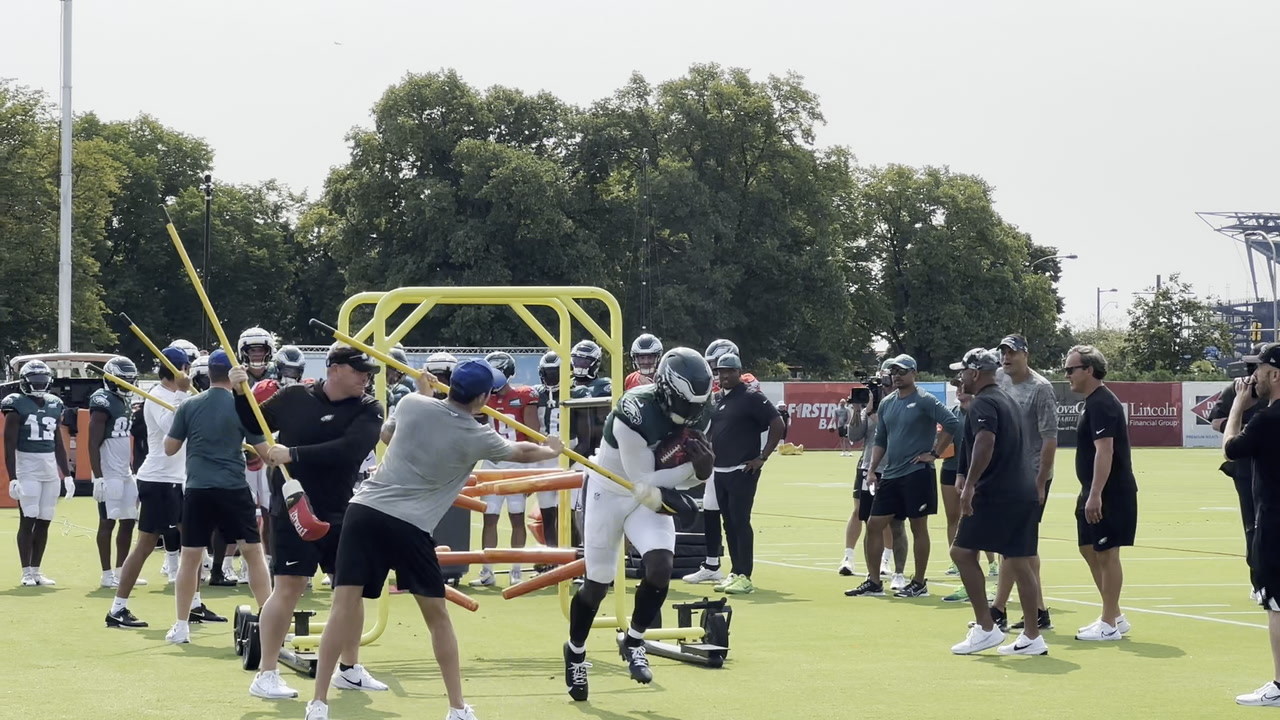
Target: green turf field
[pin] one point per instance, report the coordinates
(799, 647)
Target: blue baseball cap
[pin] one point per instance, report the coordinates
(904, 361)
(177, 356)
(219, 359)
(473, 378)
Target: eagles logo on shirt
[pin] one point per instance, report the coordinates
(630, 407)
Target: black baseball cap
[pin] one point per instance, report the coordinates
(1014, 342)
(1268, 354)
(357, 359)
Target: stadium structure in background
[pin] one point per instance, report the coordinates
(1252, 319)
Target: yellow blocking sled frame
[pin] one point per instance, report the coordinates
(566, 302)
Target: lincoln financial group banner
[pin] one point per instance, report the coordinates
(1153, 410)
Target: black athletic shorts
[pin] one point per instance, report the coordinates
(233, 512)
(947, 477)
(1008, 529)
(860, 483)
(159, 506)
(1119, 524)
(843, 431)
(291, 555)
(374, 543)
(907, 497)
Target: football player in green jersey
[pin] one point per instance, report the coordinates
(35, 458)
(642, 419)
(110, 448)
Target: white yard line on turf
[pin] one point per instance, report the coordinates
(1259, 611)
(1159, 585)
(1195, 606)
(1126, 608)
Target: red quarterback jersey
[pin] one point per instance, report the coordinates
(512, 404)
(635, 380)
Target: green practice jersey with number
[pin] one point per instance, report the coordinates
(117, 443)
(37, 433)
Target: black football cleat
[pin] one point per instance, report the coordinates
(202, 614)
(637, 657)
(575, 673)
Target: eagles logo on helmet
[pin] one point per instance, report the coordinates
(646, 351)
(200, 373)
(35, 378)
(123, 368)
(549, 370)
(292, 364)
(502, 362)
(255, 348)
(684, 384)
(585, 359)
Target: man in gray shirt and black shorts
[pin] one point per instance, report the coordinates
(435, 444)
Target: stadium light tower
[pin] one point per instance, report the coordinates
(1259, 232)
(65, 197)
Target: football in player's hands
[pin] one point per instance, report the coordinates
(673, 450)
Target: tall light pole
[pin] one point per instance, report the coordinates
(1100, 293)
(207, 187)
(65, 199)
(1271, 267)
(1054, 257)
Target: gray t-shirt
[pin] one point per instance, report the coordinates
(842, 416)
(1039, 412)
(431, 455)
(210, 427)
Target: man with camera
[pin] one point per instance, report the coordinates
(1241, 473)
(908, 441)
(1254, 444)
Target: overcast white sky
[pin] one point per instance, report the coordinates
(1103, 126)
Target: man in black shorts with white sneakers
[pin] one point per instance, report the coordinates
(998, 501)
(1107, 509)
(388, 525)
(325, 431)
(217, 496)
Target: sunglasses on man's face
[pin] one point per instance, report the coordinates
(898, 371)
(1072, 368)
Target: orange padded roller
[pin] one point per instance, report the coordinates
(537, 556)
(525, 486)
(551, 577)
(460, 598)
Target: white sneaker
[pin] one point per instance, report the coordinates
(978, 640)
(317, 710)
(1023, 646)
(327, 581)
(178, 634)
(205, 575)
(356, 678)
(466, 713)
(1100, 632)
(899, 581)
(885, 567)
(136, 583)
(28, 580)
(1121, 624)
(514, 577)
(1266, 696)
(109, 580)
(704, 574)
(486, 579)
(271, 686)
(1256, 597)
(848, 567)
(40, 579)
(231, 576)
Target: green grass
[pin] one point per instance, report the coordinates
(799, 647)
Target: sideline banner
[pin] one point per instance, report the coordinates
(813, 411)
(1198, 399)
(1153, 409)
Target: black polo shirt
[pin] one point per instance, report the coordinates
(1007, 478)
(331, 439)
(739, 419)
(1104, 417)
(1257, 444)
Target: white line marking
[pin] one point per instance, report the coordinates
(1239, 612)
(1162, 585)
(1126, 608)
(1193, 606)
(1141, 599)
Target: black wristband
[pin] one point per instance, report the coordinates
(293, 454)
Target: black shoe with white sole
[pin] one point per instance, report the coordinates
(1042, 621)
(202, 614)
(637, 657)
(914, 590)
(575, 673)
(122, 618)
(868, 588)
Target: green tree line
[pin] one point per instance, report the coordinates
(703, 203)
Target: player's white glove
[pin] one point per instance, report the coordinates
(99, 491)
(648, 495)
(15, 489)
(70, 484)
